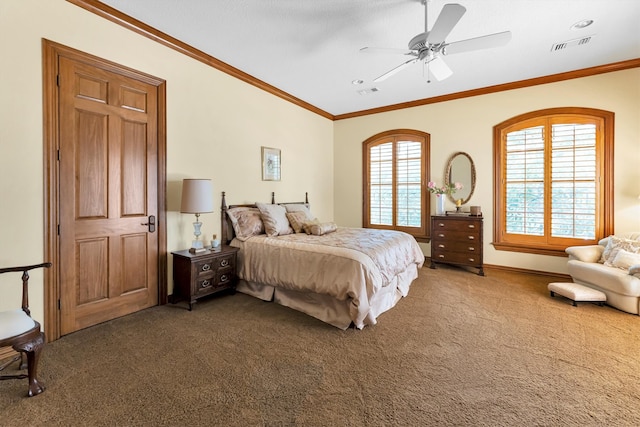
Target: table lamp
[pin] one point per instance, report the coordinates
(197, 198)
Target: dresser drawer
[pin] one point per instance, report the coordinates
(471, 259)
(455, 225)
(458, 236)
(455, 246)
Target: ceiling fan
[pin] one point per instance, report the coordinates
(431, 45)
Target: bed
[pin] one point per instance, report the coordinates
(339, 275)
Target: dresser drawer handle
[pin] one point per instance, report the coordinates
(224, 262)
(471, 260)
(205, 284)
(441, 246)
(471, 238)
(224, 278)
(440, 224)
(440, 235)
(440, 256)
(471, 248)
(471, 226)
(206, 267)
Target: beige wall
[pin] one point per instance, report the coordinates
(215, 128)
(467, 125)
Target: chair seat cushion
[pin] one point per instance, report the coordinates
(14, 323)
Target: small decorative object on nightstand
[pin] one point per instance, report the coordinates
(202, 274)
(457, 239)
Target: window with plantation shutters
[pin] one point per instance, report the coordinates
(553, 179)
(395, 168)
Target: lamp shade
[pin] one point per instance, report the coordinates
(197, 196)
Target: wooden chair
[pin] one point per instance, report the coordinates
(19, 331)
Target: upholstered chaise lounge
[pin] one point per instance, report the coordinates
(613, 267)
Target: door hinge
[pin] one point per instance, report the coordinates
(58, 80)
(58, 155)
(58, 304)
(58, 227)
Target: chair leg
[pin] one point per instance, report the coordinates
(23, 361)
(32, 349)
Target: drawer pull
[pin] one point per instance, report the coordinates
(471, 238)
(205, 284)
(471, 226)
(206, 267)
(224, 278)
(440, 235)
(441, 245)
(440, 224)
(440, 256)
(471, 248)
(224, 262)
(471, 260)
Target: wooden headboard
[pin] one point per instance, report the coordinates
(227, 227)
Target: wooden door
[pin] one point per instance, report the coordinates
(108, 160)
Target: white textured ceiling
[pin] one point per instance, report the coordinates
(311, 48)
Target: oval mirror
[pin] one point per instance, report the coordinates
(461, 169)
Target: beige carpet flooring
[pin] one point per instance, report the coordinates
(460, 350)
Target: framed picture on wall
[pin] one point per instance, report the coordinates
(271, 164)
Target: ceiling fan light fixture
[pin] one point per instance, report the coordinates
(582, 24)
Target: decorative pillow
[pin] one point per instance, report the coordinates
(306, 226)
(625, 259)
(616, 244)
(246, 222)
(320, 229)
(297, 220)
(295, 207)
(275, 219)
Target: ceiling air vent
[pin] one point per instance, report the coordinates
(571, 43)
(368, 91)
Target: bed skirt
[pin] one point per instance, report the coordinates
(338, 313)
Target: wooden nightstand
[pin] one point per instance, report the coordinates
(199, 275)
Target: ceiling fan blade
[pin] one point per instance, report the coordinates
(388, 50)
(395, 70)
(439, 68)
(448, 18)
(477, 43)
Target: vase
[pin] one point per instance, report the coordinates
(439, 204)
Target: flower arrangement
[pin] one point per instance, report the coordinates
(445, 189)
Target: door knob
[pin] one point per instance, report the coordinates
(151, 223)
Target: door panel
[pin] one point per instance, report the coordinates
(108, 189)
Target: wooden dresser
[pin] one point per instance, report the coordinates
(457, 239)
(199, 275)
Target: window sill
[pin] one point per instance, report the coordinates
(546, 250)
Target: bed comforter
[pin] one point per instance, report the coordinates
(350, 264)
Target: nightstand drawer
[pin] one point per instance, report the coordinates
(204, 267)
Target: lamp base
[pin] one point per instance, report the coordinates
(197, 244)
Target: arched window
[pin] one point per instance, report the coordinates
(395, 170)
(553, 180)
